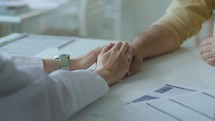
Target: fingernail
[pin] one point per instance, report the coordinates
(111, 43)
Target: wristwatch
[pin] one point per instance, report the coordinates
(64, 61)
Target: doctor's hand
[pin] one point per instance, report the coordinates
(208, 50)
(86, 60)
(114, 61)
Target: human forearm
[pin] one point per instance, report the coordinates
(81, 62)
(182, 20)
(50, 65)
(155, 40)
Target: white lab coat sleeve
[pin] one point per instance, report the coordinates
(27, 61)
(77, 89)
(29, 94)
(23, 94)
(20, 61)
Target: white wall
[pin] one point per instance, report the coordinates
(138, 14)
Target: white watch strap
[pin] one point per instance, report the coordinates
(64, 61)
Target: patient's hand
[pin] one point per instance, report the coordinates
(135, 65)
(208, 50)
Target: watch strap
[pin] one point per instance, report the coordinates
(64, 61)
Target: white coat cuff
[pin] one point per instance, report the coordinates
(26, 61)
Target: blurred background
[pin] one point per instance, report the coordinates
(103, 19)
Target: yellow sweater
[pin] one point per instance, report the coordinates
(185, 17)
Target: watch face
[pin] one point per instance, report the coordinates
(64, 61)
(64, 55)
(61, 55)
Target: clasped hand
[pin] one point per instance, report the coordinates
(113, 61)
(208, 50)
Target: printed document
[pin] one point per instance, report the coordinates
(167, 103)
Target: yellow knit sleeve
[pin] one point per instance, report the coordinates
(185, 17)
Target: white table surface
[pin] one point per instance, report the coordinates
(182, 67)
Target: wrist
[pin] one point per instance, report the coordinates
(74, 64)
(50, 65)
(137, 50)
(64, 61)
(107, 76)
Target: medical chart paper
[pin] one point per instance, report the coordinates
(172, 102)
(194, 106)
(32, 45)
(164, 91)
(166, 103)
(12, 3)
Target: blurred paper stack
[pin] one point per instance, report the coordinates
(12, 3)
